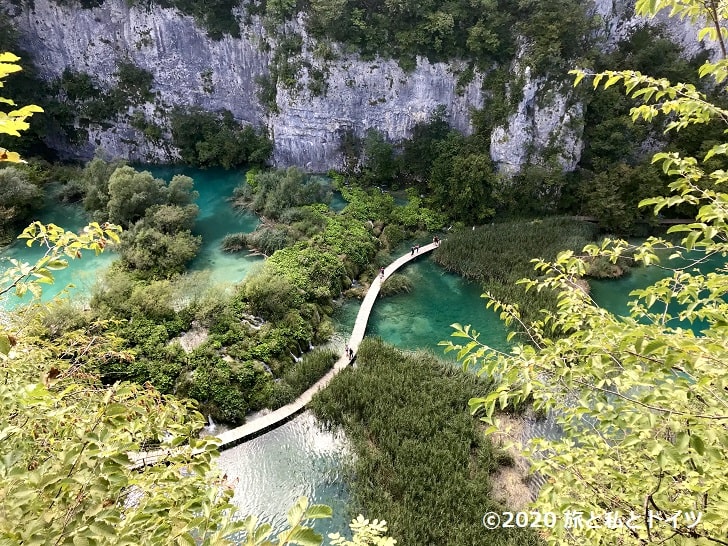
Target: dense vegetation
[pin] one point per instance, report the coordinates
(484, 32)
(418, 466)
(20, 192)
(615, 172)
(157, 217)
(248, 339)
(206, 139)
(641, 399)
(270, 194)
(497, 255)
(444, 170)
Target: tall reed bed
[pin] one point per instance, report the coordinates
(421, 462)
(498, 255)
(298, 378)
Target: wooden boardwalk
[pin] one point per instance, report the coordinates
(264, 423)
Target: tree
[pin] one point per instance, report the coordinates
(17, 194)
(207, 139)
(463, 178)
(70, 471)
(379, 164)
(95, 180)
(641, 400)
(131, 193)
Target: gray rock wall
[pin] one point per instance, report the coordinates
(306, 129)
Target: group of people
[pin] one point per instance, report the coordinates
(415, 249)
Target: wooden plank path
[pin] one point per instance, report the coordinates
(264, 423)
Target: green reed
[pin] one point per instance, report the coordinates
(498, 255)
(301, 376)
(421, 463)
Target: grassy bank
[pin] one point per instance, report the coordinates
(421, 461)
(498, 255)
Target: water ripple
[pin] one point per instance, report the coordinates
(297, 459)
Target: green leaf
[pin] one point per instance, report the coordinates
(295, 513)
(103, 529)
(318, 511)
(305, 536)
(5, 344)
(697, 444)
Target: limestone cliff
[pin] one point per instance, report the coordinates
(189, 68)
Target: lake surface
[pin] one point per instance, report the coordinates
(297, 459)
(422, 318)
(614, 294)
(300, 459)
(216, 219)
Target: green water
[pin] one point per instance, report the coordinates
(614, 294)
(422, 318)
(79, 276)
(216, 219)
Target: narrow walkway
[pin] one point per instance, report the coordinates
(260, 425)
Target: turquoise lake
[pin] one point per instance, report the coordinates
(216, 219)
(299, 458)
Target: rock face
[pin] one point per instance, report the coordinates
(547, 123)
(363, 95)
(191, 69)
(164, 42)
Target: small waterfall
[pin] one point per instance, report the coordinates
(295, 358)
(211, 426)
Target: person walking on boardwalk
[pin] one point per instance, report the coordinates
(381, 273)
(412, 251)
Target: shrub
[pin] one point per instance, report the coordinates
(297, 379)
(270, 296)
(155, 254)
(395, 408)
(271, 193)
(497, 255)
(235, 242)
(396, 284)
(18, 196)
(208, 139)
